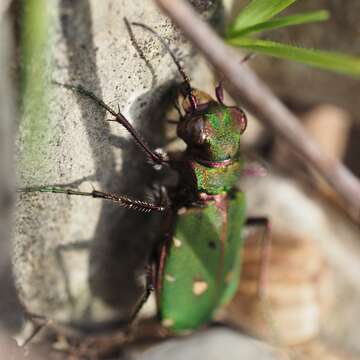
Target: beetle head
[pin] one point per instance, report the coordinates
(210, 129)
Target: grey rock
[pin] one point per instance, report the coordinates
(213, 344)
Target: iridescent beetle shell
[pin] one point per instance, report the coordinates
(200, 265)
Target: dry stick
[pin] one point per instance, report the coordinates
(247, 88)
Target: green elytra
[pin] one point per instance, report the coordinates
(202, 267)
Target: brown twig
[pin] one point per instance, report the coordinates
(246, 87)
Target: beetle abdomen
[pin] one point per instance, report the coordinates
(201, 269)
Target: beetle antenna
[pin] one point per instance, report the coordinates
(180, 69)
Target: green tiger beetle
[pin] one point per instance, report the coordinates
(196, 269)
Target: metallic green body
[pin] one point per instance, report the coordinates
(216, 180)
(202, 266)
(199, 268)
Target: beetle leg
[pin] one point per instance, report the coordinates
(149, 289)
(121, 119)
(264, 223)
(119, 199)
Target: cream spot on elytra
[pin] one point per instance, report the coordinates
(170, 278)
(199, 287)
(167, 322)
(177, 242)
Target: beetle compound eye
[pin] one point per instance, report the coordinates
(193, 131)
(198, 133)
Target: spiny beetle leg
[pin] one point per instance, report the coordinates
(121, 119)
(123, 201)
(264, 223)
(150, 276)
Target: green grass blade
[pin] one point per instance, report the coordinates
(284, 21)
(258, 11)
(344, 64)
(37, 41)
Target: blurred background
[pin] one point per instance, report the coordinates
(78, 261)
